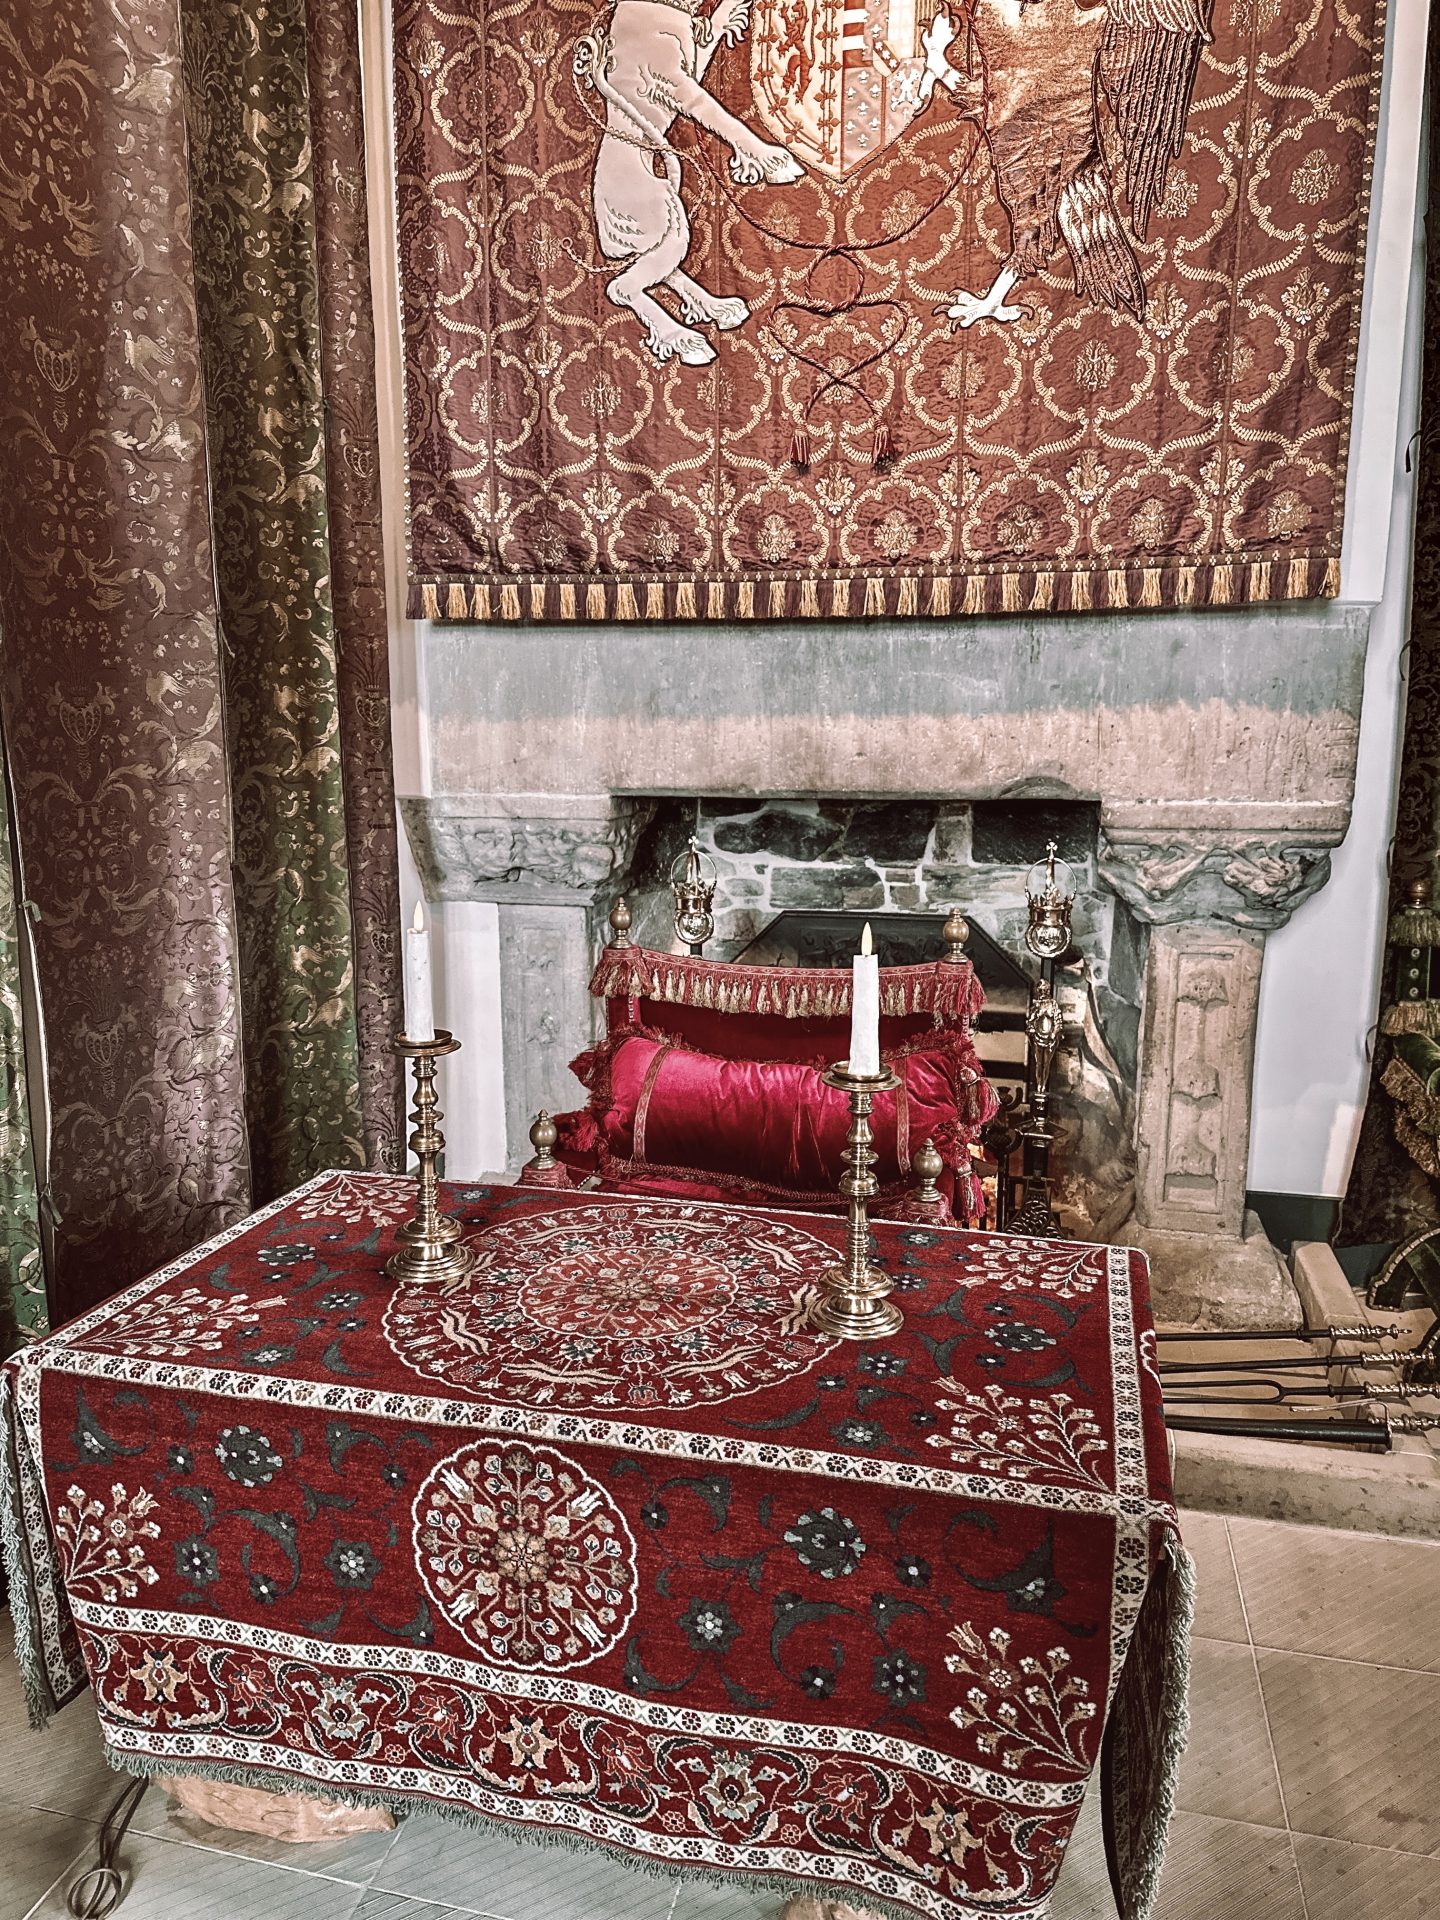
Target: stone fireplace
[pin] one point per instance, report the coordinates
(1196, 767)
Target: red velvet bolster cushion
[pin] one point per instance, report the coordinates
(659, 1106)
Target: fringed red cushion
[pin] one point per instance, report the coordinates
(664, 1110)
(775, 1013)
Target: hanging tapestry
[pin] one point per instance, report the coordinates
(761, 308)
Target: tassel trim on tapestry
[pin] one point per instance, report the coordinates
(877, 595)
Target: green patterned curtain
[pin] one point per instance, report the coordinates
(253, 188)
(270, 333)
(23, 1312)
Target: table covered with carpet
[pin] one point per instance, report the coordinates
(604, 1544)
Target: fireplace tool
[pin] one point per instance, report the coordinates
(1284, 1363)
(1369, 1330)
(1050, 895)
(1339, 1433)
(1281, 1392)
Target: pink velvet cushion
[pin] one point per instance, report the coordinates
(660, 1107)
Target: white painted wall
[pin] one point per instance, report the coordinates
(1321, 981)
(466, 935)
(1321, 972)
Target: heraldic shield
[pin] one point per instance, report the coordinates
(836, 81)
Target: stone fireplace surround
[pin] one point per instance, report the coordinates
(1219, 749)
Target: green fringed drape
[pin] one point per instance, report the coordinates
(192, 670)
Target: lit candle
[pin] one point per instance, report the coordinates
(865, 1009)
(419, 1003)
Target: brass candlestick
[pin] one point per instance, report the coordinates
(430, 1247)
(852, 1304)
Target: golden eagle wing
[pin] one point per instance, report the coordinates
(1148, 58)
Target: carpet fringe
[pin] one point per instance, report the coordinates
(148, 1766)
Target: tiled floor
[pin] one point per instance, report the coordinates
(1311, 1789)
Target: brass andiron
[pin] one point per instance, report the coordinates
(430, 1244)
(852, 1303)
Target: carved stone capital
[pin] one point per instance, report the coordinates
(1255, 880)
(539, 849)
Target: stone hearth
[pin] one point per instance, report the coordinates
(1215, 753)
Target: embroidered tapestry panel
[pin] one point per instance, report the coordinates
(779, 307)
(606, 1541)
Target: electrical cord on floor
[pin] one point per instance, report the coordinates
(100, 1889)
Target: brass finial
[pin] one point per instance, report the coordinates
(620, 923)
(694, 892)
(1418, 891)
(955, 932)
(927, 1167)
(543, 1135)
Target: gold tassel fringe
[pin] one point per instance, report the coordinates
(1259, 583)
(940, 594)
(1222, 586)
(745, 600)
(715, 601)
(430, 601)
(1117, 588)
(874, 594)
(1010, 593)
(655, 600)
(1332, 578)
(1044, 594)
(567, 600)
(510, 601)
(1080, 593)
(625, 605)
(777, 599)
(1150, 587)
(537, 602)
(809, 600)
(1185, 587)
(685, 600)
(1412, 1016)
(908, 600)
(480, 601)
(1297, 580)
(974, 601)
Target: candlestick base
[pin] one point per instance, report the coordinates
(853, 1304)
(431, 1245)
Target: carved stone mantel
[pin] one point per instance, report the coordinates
(551, 862)
(551, 849)
(1234, 864)
(1219, 746)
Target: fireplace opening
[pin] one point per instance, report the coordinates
(797, 878)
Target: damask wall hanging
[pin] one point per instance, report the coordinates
(783, 307)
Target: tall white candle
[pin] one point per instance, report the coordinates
(865, 1008)
(419, 1002)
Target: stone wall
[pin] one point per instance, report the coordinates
(896, 856)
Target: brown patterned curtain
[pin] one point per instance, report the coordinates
(187, 686)
(1390, 1196)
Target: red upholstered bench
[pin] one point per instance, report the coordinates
(707, 1084)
